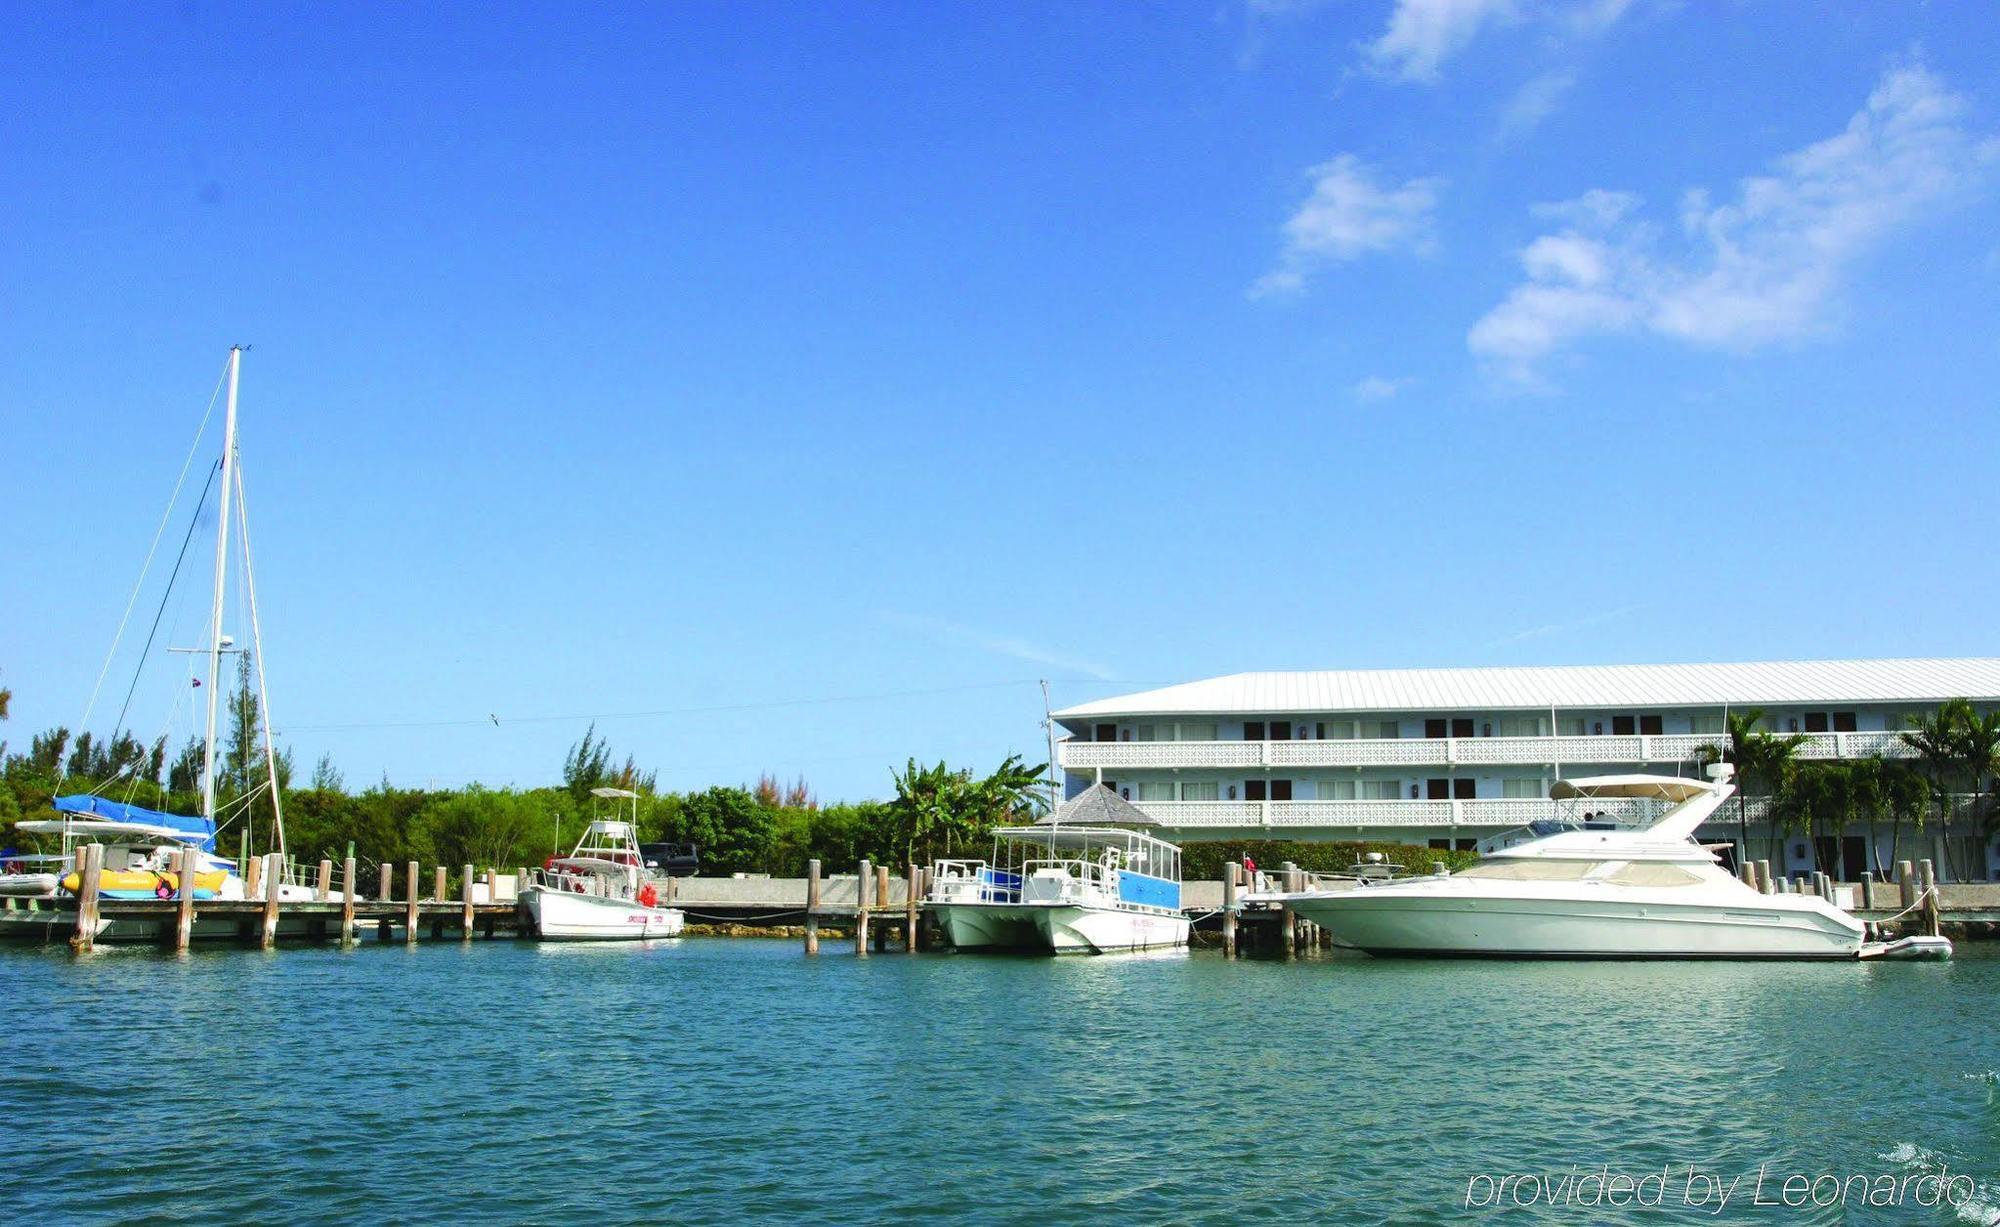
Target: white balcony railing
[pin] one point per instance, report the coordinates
(1444, 751)
(1361, 817)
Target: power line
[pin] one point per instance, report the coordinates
(688, 711)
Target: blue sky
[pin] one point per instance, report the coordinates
(792, 388)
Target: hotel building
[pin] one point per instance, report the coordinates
(1445, 756)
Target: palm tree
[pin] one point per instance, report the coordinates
(1738, 751)
(1938, 740)
(1979, 757)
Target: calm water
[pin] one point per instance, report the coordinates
(716, 1080)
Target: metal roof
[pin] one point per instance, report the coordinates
(1532, 688)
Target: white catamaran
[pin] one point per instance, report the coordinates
(1081, 881)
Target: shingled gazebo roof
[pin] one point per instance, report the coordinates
(1098, 806)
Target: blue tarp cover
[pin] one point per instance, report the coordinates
(118, 811)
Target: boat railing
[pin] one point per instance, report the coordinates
(578, 882)
(1081, 881)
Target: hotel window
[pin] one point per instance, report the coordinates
(1203, 790)
(1461, 727)
(1437, 790)
(1253, 790)
(1570, 726)
(1281, 790)
(1843, 722)
(1156, 790)
(1381, 790)
(1522, 726)
(1106, 732)
(1144, 732)
(1281, 730)
(1652, 726)
(1815, 722)
(1434, 729)
(1706, 724)
(1386, 730)
(1253, 730)
(1336, 790)
(1623, 726)
(1197, 732)
(1522, 790)
(1336, 730)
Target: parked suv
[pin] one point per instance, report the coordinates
(671, 860)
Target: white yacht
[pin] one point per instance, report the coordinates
(1586, 889)
(1073, 883)
(599, 891)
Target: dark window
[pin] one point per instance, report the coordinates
(1843, 722)
(1434, 728)
(1464, 790)
(1651, 726)
(1461, 728)
(1107, 732)
(1441, 845)
(1437, 790)
(1815, 722)
(1281, 730)
(1319, 730)
(1853, 857)
(1253, 790)
(1623, 726)
(1281, 790)
(1468, 845)
(1253, 730)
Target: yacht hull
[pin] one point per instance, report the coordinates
(557, 915)
(1387, 923)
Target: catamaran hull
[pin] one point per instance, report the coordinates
(987, 926)
(557, 915)
(1072, 929)
(1387, 924)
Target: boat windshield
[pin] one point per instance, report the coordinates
(1524, 869)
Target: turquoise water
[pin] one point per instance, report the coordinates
(717, 1080)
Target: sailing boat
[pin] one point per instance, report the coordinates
(142, 846)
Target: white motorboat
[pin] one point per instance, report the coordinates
(1066, 889)
(599, 891)
(1571, 889)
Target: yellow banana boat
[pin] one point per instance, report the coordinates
(147, 884)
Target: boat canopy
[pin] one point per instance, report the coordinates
(1644, 787)
(612, 792)
(200, 831)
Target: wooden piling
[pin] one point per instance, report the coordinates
(184, 899)
(492, 885)
(912, 890)
(438, 887)
(89, 870)
(1867, 890)
(348, 881)
(466, 890)
(862, 882)
(410, 913)
(1765, 885)
(1906, 884)
(324, 886)
(1927, 882)
(274, 877)
(1230, 873)
(812, 907)
(1746, 873)
(253, 879)
(388, 882)
(1288, 920)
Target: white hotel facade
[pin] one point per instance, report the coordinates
(1445, 756)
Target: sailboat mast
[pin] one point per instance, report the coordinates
(221, 571)
(1049, 723)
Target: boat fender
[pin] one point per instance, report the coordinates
(648, 896)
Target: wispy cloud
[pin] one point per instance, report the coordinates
(1766, 266)
(1351, 212)
(1560, 628)
(1378, 387)
(1422, 34)
(1534, 102)
(948, 631)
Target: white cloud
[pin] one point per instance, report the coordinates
(1350, 213)
(1534, 102)
(1378, 387)
(1765, 267)
(1003, 645)
(1422, 34)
